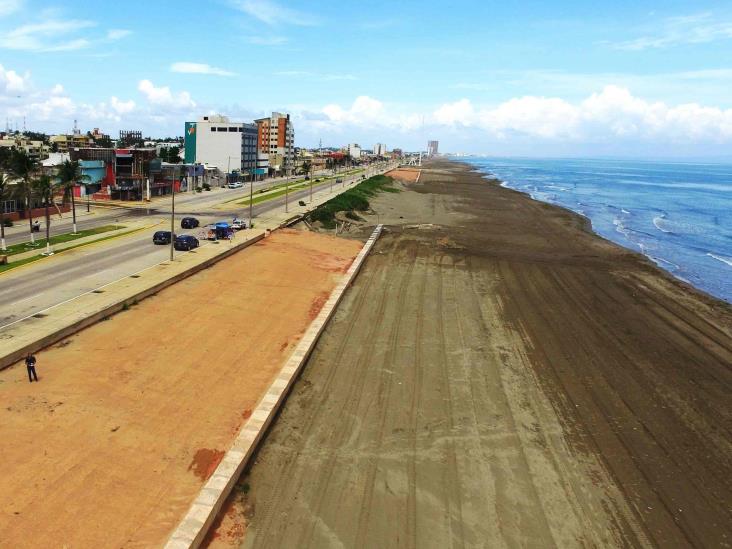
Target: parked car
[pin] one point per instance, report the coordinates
(307, 178)
(189, 223)
(235, 185)
(185, 242)
(238, 224)
(161, 237)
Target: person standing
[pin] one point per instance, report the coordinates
(30, 363)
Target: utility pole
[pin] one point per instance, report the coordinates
(287, 185)
(172, 216)
(251, 192)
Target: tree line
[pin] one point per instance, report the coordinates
(21, 178)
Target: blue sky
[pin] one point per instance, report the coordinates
(532, 78)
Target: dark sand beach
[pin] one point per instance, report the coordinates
(499, 376)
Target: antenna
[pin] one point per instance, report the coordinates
(24, 124)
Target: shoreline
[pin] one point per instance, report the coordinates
(521, 363)
(627, 244)
(588, 227)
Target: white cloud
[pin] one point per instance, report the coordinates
(267, 40)
(12, 83)
(199, 68)
(692, 29)
(8, 7)
(613, 114)
(163, 97)
(122, 107)
(46, 36)
(273, 13)
(118, 34)
(460, 112)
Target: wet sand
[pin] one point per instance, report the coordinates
(500, 376)
(133, 414)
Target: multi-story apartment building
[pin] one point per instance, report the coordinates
(276, 143)
(66, 142)
(37, 150)
(432, 148)
(379, 149)
(217, 142)
(354, 150)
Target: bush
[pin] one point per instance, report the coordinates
(199, 189)
(206, 187)
(353, 199)
(301, 203)
(8, 222)
(353, 215)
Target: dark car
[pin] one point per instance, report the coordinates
(185, 242)
(189, 223)
(161, 237)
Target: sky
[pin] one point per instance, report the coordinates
(534, 78)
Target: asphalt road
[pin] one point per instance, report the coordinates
(31, 289)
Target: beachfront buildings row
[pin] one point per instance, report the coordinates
(263, 147)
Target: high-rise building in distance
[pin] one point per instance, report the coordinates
(432, 147)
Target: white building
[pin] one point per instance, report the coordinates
(380, 149)
(217, 142)
(354, 150)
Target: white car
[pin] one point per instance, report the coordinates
(239, 224)
(234, 185)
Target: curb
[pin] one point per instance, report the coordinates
(54, 337)
(194, 527)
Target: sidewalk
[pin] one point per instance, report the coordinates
(21, 226)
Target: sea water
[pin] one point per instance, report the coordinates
(677, 214)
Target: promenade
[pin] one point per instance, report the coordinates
(132, 415)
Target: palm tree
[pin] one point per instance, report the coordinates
(22, 167)
(4, 183)
(70, 174)
(45, 189)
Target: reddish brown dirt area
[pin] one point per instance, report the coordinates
(407, 175)
(110, 448)
(205, 461)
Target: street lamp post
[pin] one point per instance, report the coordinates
(251, 193)
(287, 186)
(172, 216)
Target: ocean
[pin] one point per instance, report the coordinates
(677, 214)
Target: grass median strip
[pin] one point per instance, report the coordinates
(281, 188)
(25, 261)
(59, 239)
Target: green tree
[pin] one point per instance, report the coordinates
(4, 191)
(70, 174)
(23, 167)
(306, 167)
(45, 189)
(173, 153)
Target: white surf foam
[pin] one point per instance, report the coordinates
(727, 260)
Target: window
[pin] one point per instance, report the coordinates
(213, 129)
(232, 128)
